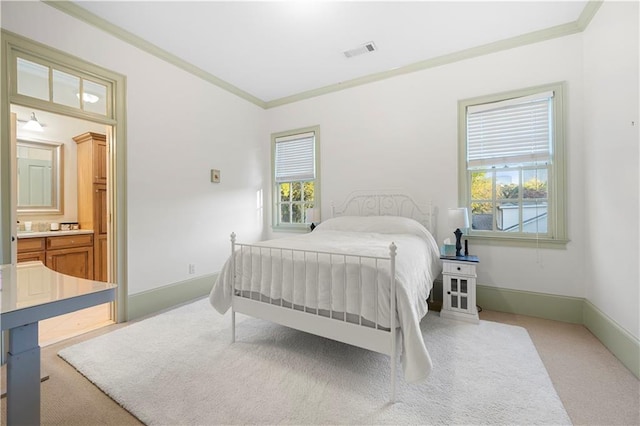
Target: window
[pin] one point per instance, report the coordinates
(512, 164)
(71, 89)
(295, 177)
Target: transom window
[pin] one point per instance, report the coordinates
(512, 164)
(39, 80)
(295, 177)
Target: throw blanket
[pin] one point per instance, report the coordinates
(417, 265)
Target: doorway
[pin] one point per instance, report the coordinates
(53, 193)
(38, 78)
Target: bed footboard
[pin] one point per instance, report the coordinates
(344, 297)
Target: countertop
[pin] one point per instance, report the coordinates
(30, 284)
(36, 234)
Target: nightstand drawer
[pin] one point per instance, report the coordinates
(458, 268)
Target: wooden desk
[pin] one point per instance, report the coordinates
(31, 292)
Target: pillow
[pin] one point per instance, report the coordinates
(377, 224)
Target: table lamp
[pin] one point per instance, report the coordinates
(458, 218)
(312, 214)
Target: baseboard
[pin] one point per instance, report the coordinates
(559, 308)
(567, 309)
(158, 299)
(541, 305)
(622, 344)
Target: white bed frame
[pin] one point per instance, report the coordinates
(376, 339)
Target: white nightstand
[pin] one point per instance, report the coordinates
(459, 288)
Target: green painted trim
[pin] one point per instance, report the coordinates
(158, 299)
(622, 344)
(474, 52)
(533, 37)
(300, 228)
(541, 305)
(557, 225)
(588, 13)
(84, 15)
(13, 44)
(6, 180)
(566, 309)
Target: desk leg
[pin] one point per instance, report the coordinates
(23, 376)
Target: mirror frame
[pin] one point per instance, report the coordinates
(57, 169)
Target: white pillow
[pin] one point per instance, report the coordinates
(377, 224)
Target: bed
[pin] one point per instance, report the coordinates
(362, 277)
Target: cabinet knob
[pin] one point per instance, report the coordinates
(458, 268)
(448, 292)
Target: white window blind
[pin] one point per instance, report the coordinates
(295, 158)
(514, 131)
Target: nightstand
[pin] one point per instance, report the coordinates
(459, 288)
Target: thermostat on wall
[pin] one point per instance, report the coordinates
(215, 176)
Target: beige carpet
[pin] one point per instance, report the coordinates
(487, 373)
(581, 369)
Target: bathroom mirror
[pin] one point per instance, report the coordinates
(40, 177)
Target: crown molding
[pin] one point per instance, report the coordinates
(563, 30)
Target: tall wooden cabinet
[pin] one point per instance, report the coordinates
(92, 195)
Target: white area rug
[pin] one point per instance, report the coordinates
(180, 367)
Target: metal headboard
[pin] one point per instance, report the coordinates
(386, 203)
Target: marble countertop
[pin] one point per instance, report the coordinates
(35, 234)
(30, 284)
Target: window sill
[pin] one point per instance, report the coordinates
(292, 229)
(503, 241)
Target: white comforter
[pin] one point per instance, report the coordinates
(417, 265)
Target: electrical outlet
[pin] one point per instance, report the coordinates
(192, 268)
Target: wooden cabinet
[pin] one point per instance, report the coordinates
(75, 260)
(31, 249)
(92, 195)
(67, 254)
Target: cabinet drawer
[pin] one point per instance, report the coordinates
(32, 256)
(68, 241)
(459, 268)
(30, 244)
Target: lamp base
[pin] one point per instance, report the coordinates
(458, 234)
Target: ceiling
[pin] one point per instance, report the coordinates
(273, 50)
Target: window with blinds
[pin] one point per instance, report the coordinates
(295, 158)
(514, 131)
(512, 164)
(295, 166)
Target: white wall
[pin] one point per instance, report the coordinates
(611, 163)
(401, 133)
(178, 128)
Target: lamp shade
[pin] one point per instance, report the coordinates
(458, 218)
(312, 215)
(33, 124)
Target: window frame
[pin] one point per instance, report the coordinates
(556, 197)
(275, 195)
(80, 111)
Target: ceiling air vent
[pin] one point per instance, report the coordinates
(365, 48)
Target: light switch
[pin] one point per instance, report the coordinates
(215, 176)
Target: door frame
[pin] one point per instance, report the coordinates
(13, 45)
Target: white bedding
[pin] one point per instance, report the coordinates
(279, 276)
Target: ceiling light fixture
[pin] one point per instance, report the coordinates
(89, 98)
(33, 124)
